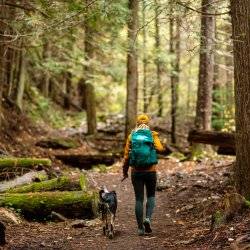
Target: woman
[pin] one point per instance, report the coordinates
(142, 175)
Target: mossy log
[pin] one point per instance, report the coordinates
(58, 143)
(28, 178)
(11, 162)
(71, 204)
(64, 183)
(87, 161)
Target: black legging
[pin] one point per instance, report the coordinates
(139, 180)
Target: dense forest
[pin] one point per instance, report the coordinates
(75, 74)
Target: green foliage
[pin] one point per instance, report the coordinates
(43, 111)
(218, 218)
(59, 25)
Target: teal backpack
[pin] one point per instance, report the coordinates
(142, 153)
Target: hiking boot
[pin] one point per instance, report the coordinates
(141, 231)
(147, 226)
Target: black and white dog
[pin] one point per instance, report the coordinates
(107, 208)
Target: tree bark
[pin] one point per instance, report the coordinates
(21, 80)
(174, 31)
(68, 90)
(206, 68)
(229, 65)
(86, 87)
(132, 68)
(145, 60)
(241, 40)
(158, 63)
(217, 115)
(46, 79)
(2, 58)
(91, 109)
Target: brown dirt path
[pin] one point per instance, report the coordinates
(181, 218)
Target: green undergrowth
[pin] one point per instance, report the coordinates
(101, 168)
(44, 111)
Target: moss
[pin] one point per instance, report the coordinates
(23, 162)
(218, 218)
(42, 177)
(66, 142)
(83, 182)
(100, 168)
(247, 203)
(178, 156)
(61, 183)
(57, 143)
(72, 204)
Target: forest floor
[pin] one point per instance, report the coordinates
(182, 217)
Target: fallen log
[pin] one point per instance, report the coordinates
(222, 139)
(23, 162)
(226, 151)
(27, 178)
(58, 143)
(71, 204)
(87, 161)
(225, 141)
(64, 183)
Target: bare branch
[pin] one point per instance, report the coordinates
(26, 8)
(200, 12)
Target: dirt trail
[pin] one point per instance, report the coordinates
(181, 218)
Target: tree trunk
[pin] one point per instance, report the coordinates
(12, 72)
(2, 57)
(68, 90)
(145, 59)
(91, 109)
(206, 68)
(229, 66)
(86, 87)
(241, 40)
(46, 79)
(217, 115)
(175, 69)
(158, 60)
(2, 79)
(132, 67)
(21, 80)
(40, 205)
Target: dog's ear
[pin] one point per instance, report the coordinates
(100, 194)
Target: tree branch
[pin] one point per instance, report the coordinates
(200, 12)
(26, 8)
